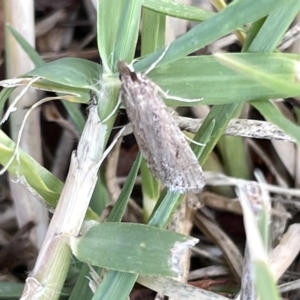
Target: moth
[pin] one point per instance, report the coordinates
(161, 142)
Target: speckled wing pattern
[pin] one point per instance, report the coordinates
(163, 145)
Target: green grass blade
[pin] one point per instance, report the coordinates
(239, 166)
(232, 17)
(81, 289)
(31, 52)
(73, 110)
(4, 95)
(153, 31)
(153, 38)
(121, 283)
(70, 71)
(40, 179)
(150, 190)
(281, 19)
(46, 184)
(148, 250)
(118, 24)
(265, 282)
(11, 290)
(220, 115)
(282, 83)
(115, 286)
(178, 10)
(121, 204)
(261, 76)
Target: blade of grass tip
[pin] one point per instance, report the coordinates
(31, 52)
(264, 216)
(263, 277)
(72, 109)
(252, 193)
(140, 244)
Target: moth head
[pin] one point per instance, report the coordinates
(125, 70)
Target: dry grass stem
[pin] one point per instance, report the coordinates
(240, 127)
(74, 200)
(220, 238)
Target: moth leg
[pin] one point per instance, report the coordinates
(114, 110)
(191, 140)
(194, 142)
(115, 140)
(167, 96)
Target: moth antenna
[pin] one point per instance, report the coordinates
(157, 61)
(167, 96)
(114, 110)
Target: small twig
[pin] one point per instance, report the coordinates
(45, 25)
(208, 272)
(290, 37)
(265, 157)
(240, 127)
(236, 127)
(231, 252)
(216, 179)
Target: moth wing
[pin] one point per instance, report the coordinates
(167, 154)
(161, 142)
